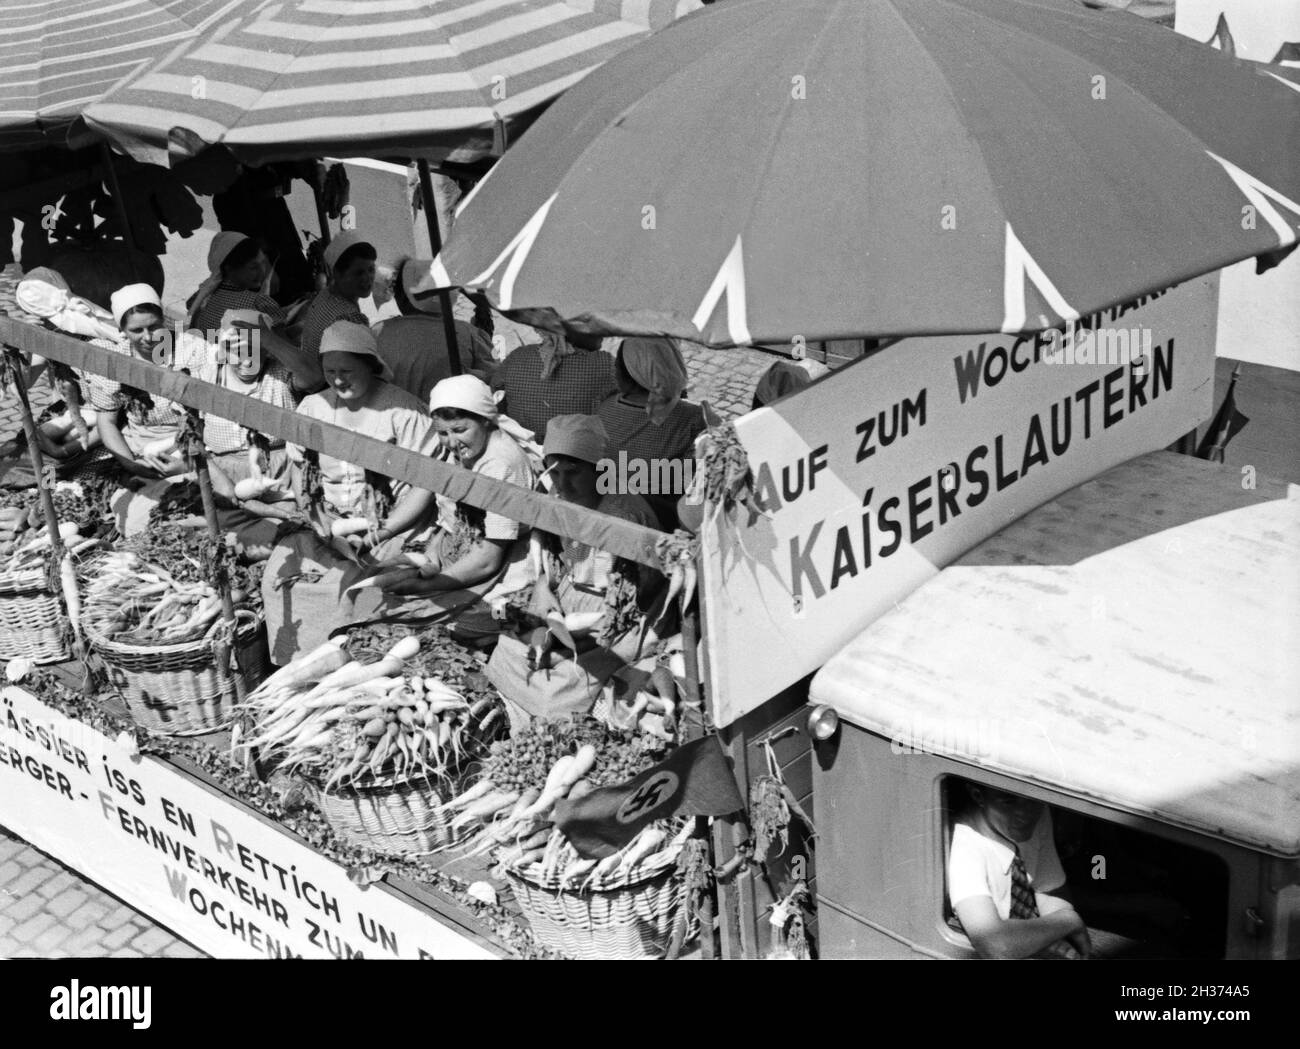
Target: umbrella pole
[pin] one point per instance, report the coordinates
(128, 237)
(321, 217)
(435, 246)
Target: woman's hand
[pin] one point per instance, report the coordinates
(372, 540)
(149, 467)
(165, 466)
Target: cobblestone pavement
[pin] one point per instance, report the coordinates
(726, 378)
(49, 911)
(11, 422)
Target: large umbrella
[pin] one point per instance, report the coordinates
(766, 170)
(57, 57)
(444, 78)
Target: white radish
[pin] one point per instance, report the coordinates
(319, 662)
(563, 775)
(480, 789)
(647, 842)
(346, 526)
(484, 807)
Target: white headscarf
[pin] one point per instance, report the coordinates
(132, 296)
(468, 393)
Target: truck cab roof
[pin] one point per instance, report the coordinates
(1135, 642)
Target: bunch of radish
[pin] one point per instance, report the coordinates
(513, 815)
(132, 602)
(347, 722)
(558, 863)
(26, 549)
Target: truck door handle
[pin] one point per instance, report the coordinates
(1253, 922)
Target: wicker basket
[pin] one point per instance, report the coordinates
(630, 917)
(32, 623)
(398, 815)
(179, 690)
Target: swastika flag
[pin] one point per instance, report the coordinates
(694, 780)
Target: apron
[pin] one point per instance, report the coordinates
(247, 530)
(303, 592)
(470, 607)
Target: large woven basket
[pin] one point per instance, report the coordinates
(32, 623)
(398, 816)
(180, 689)
(625, 918)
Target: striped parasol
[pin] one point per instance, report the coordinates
(58, 56)
(451, 79)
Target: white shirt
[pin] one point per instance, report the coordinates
(980, 866)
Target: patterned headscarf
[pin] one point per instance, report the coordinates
(553, 348)
(656, 365)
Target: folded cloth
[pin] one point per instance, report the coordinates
(44, 293)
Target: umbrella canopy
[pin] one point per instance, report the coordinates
(766, 170)
(58, 56)
(445, 78)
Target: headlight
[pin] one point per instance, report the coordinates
(823, 722)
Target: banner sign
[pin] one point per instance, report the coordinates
(230, 882)
(880, 474)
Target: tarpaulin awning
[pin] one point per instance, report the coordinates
(447, 79)
(58, 56)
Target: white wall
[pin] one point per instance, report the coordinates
(1259, 317)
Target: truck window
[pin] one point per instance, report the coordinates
(1142, 895)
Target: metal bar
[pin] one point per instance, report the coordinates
(623, 538)
(435, 246)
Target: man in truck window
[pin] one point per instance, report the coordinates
(1005, 880)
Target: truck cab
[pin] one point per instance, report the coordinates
(1128, 654)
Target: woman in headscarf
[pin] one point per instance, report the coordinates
(350, 268)
(554, 375)
(785, 378)
(67, 431)
(651, 423)
(238, 365)
(141, 431)
(307, 576)
(594, 601)
(237, 280)
(476, 555)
